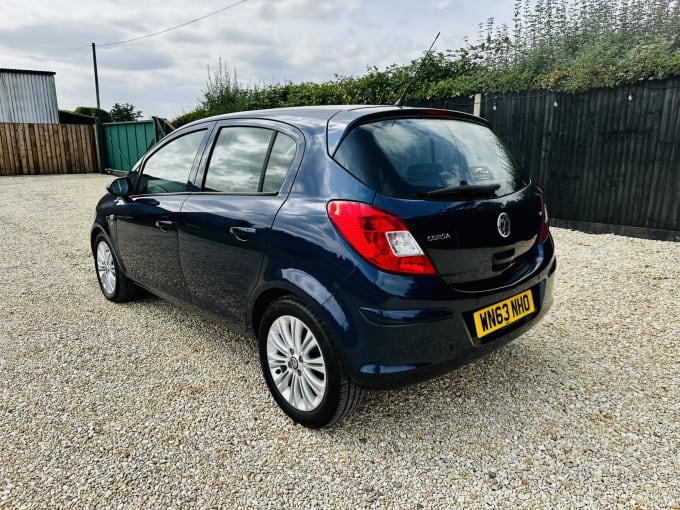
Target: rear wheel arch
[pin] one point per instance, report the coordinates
(261, 304)
(330, 311)
(283, 288)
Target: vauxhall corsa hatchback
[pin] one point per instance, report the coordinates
(363, 246)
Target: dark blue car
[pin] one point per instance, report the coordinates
(364, 247)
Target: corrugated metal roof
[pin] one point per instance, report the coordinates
(25, 71)
(28, 97)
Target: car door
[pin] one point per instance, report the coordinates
(147, 224)
(225, 227)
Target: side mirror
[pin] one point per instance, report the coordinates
(120, 187)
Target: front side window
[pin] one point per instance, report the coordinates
(168, 169)
(408, 158)
(249, 160)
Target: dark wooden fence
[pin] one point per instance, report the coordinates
(47, 149)
(607, 156)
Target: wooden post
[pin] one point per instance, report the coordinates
(101, 144)
(96, 75)
(478, 105)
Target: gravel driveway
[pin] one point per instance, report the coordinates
(151, 405)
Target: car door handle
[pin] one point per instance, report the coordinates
(164, 225)
(243, 233)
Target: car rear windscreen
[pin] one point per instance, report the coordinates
(409, 157)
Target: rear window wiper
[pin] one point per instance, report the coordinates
(467, 191)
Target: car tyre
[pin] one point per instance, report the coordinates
(301, 367)
(113, 283)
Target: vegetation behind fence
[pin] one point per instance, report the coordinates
(47, 149)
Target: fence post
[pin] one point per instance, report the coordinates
(101, 144)
(478, 105)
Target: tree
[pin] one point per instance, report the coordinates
(125, 113)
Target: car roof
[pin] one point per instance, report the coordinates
(338, 119)
(310, 113)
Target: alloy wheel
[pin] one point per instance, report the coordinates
(106, 268)
(296, 363)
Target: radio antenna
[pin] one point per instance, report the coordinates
(411, 80)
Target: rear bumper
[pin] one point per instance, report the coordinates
(413, 339)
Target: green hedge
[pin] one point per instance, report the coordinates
(559, 46)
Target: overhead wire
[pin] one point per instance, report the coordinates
(230, 6)
(81, 57)
(173, 28)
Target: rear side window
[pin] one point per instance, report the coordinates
(249, 160)
(407, 158)
(280, 159)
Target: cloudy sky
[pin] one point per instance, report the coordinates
(265, 41)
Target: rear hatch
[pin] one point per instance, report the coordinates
(457, 188)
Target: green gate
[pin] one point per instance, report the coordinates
(123, 143)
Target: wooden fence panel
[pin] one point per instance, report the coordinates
(27, 149)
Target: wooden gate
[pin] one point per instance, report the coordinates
(123, 143)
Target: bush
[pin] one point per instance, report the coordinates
(92, 111)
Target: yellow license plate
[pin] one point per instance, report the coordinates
(497, 316)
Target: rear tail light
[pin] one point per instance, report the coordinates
(379, 237)
(544, 231)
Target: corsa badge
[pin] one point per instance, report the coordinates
(439, 237)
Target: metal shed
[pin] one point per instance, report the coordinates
(28, 97)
